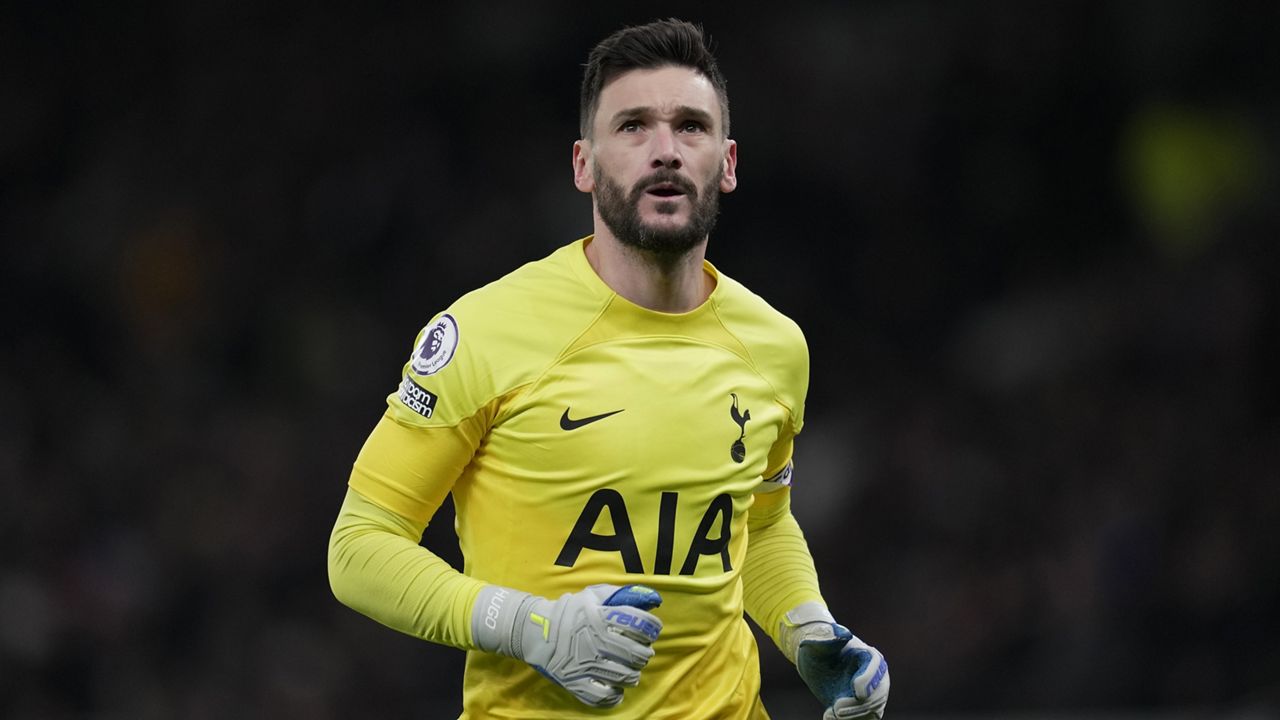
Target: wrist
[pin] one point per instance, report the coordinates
(494, 620)
(806, 621)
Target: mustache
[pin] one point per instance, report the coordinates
(664, 175)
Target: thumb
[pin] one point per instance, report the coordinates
(637, 596)
(825, 640)
(636, 621)
(820, 663)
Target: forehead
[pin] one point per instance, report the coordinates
(661, 89)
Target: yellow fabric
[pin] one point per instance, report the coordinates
(691, 412)
(376, 566)
(409, 469)
(779, 572)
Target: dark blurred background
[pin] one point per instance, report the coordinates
(1033, 246)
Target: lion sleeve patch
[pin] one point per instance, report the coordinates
(436, 346)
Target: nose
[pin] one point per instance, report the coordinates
(666, 153)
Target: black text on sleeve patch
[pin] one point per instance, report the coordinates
(417, 398)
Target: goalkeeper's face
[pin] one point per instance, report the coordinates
(657, 160)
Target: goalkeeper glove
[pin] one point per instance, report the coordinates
(592, 643)
(848, 676)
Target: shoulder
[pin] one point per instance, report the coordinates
(774, 342)
(535, 309)
(759, 325)
(501, 336)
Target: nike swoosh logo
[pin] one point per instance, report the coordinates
(568, 423)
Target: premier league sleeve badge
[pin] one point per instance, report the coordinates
(436, 347)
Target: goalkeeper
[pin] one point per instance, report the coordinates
(615, 424)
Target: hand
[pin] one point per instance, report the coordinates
(592, 643)
(850, 677)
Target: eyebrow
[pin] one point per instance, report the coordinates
(685, 111)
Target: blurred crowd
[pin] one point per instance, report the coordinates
(1032, 246)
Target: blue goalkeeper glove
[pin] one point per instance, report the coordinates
(592, 643)
(848, 676)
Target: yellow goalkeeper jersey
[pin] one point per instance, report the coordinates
(588, 440)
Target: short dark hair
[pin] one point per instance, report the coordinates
(645, 47)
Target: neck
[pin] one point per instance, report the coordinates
(671, 284)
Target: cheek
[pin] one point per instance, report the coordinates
(608, 165)
(714, 172)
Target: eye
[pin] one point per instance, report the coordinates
(629, 126)
(692, 126)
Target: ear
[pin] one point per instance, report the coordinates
(729, 180)
(583, 175)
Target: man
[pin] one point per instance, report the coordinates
(615, 424)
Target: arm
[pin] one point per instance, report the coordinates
(377, 568)
(778, 574)
(376, 565)
(582, 641)
(781, 592)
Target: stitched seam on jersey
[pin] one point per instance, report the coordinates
(560, 354)
(715, 309)
(564, 353)
(791, 413)
(664, 336)
(507, 399)
(406, 498)
(504, 397)
(459, 421)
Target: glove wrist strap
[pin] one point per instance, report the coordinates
(792, 628)
(494, 620)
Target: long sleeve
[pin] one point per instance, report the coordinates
(779, 573)
(376, 566)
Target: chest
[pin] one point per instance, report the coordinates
(632, 411)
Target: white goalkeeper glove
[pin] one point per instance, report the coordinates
(592, 643)
(848, 676)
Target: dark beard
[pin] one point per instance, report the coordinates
(621, 213)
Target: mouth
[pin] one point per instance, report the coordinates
(665, 190)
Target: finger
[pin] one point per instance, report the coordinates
(613, 673)
(872, 673)
(848, 708)
(855, 713)
(637, 596)
(625, 650)
(595, 693)
(632, 622)
(850, 712)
